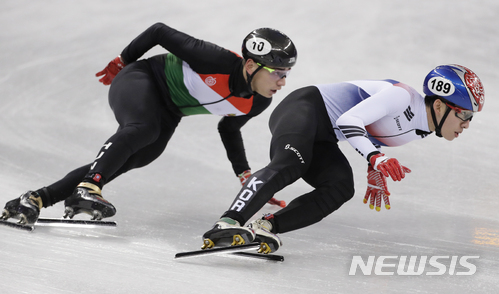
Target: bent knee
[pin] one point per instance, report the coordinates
(141, 134)
(334, 196)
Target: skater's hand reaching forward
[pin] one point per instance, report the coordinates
(111, 70)
(243, 177)
(388, 166)
(376, 189)
(380, 168)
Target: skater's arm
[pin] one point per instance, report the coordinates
(229, 128)
(194, 51)
(389, 102)
(230, 133)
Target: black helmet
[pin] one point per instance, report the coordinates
(269, 47)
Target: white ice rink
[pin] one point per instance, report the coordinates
(54, 117)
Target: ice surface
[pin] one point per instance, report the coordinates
(55, 117)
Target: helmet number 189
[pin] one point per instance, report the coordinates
(441, 86)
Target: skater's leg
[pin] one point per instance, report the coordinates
(63, 188)
(331, 175)
(140, 112)
(294, 126)
(146, 125)
(147, 154)
(332, 178)
(297, 123)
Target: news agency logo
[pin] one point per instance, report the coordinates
(414, 265)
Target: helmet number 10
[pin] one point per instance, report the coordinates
(258, 46)
(440, 86)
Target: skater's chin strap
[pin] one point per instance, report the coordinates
(438, 127)
(250, 77)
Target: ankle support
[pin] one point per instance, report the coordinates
(94, 189)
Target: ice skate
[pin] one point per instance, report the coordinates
(87, 199)
(226, 232)
(26, 208)
(269, 242)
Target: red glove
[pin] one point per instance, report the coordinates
(388, 166)
(280, 203)
(111, 70)
(376, 189)
(244, 176)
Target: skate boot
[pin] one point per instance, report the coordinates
(226, 232)
(269, 242)
(25, 208)
(87, 198)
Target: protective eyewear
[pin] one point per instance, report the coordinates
(276, 73)
(460, 113)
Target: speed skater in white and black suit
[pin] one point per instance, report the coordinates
(369, 114)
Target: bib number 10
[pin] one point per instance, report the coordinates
(440, 86)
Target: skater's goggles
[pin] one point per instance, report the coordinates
(460, 113)
(276, 73)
